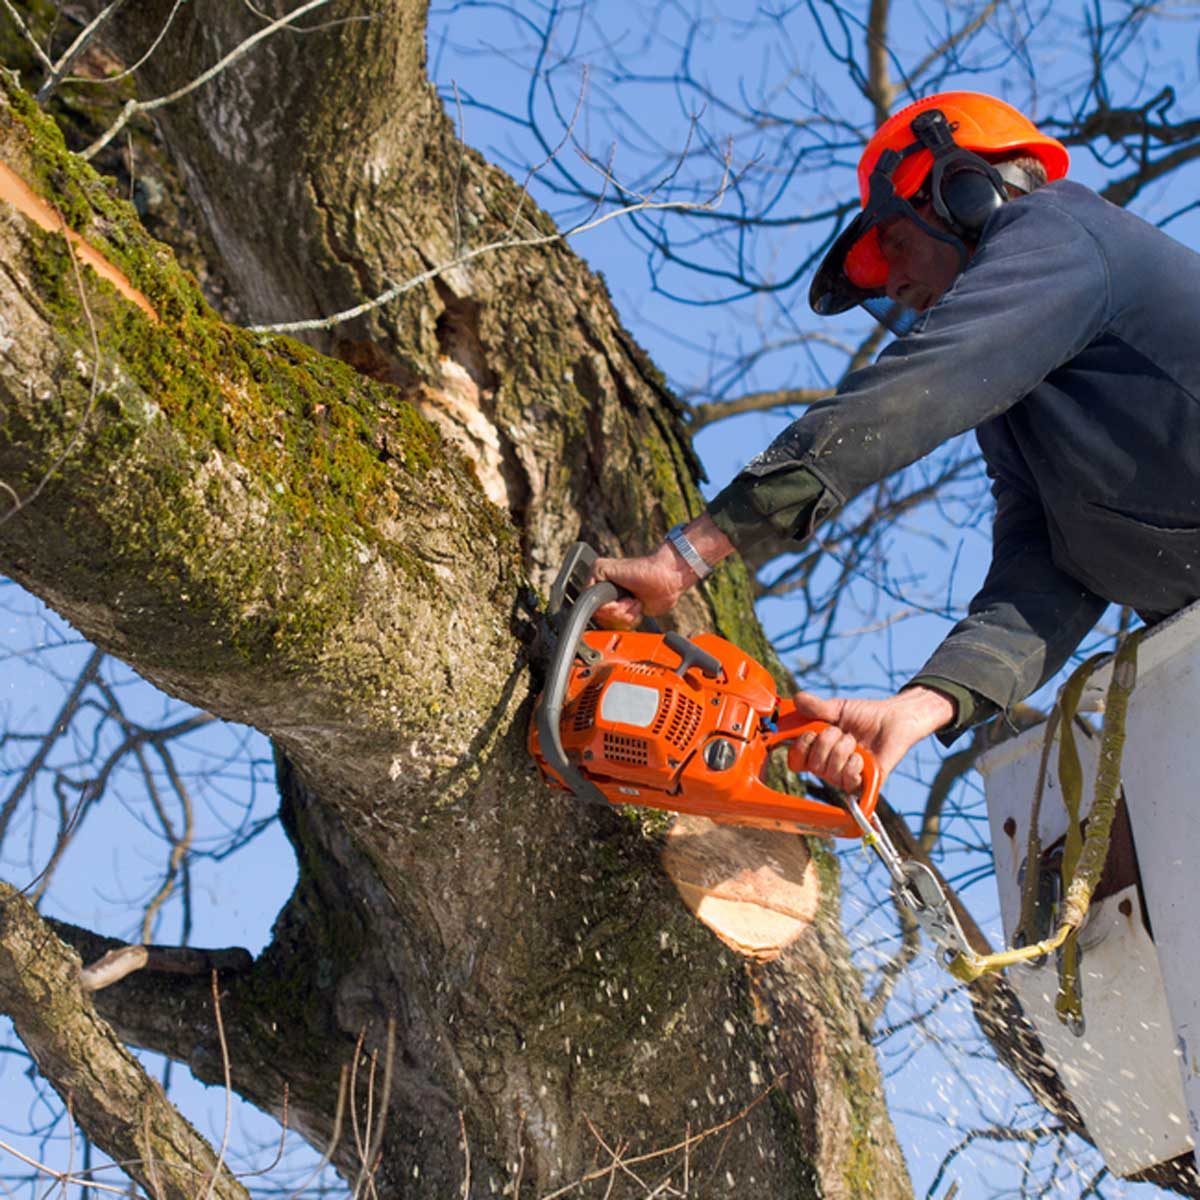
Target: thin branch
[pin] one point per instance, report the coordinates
(339, 1118)
(507, 243)
(28, 35)
(76, 48)
(689, 1141)
(709, 413)
(60, 1176)
(466, 1145)
(880, 90)
(57, 729)
(228, 1077)
(125, 74)
(889, 974)
(950, 43)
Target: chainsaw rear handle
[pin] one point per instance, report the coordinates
(793, 725)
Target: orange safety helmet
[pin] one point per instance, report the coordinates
(936, 145)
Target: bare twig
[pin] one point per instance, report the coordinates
(339, 1117)
(61, 722)
(689, 1141)
(889, 974)
(506, 243)
(707, 414)
(27, 34)
(162, 33)
(61, 1176)
(180, 842)
(76, 48)
(227, 1074)
(466, 1145)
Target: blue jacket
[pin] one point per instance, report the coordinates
(1071, 345)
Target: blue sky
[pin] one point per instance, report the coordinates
(778, 66)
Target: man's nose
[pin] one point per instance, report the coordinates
(898, 284)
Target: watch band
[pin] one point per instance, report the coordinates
(688, 552)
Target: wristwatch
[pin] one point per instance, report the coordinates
(687, 551)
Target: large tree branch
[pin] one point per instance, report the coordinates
(208, 454)
(97, 1077)
(281, 540)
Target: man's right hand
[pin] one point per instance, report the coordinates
(889, 728)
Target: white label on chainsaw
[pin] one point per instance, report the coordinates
(629, 703)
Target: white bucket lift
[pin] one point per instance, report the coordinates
(1134, 1073)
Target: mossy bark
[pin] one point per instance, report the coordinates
(337, 559)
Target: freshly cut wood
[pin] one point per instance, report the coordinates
(756, 889)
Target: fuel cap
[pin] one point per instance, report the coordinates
(719, 755)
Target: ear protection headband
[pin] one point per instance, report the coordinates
(964, 188)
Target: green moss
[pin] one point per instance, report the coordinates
(326, 454)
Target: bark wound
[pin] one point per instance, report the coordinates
(16, 192)
(463, 405)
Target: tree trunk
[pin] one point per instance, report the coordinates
(339, 560)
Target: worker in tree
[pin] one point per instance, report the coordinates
(1065, 332)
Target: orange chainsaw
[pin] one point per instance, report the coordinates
(687, 725)
(675, 723)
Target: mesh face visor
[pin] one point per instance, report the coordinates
(856, 254)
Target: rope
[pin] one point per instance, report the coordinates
(1083, 859)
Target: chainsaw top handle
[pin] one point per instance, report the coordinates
(570, 609)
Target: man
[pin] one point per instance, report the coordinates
(1065, 332)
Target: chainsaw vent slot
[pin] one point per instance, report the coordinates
(685, 716)
(619, 747)
(585, 708)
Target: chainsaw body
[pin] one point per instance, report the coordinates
(681, 724)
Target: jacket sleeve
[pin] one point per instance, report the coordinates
(1026, 619)
(1035, 293)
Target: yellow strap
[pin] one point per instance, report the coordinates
(1033, 841)
(1087, 856)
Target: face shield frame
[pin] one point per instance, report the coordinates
(832, 289)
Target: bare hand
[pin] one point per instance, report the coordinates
(888, 728)
(655, 582)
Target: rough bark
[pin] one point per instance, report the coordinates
(270, 534)
(106, 1089)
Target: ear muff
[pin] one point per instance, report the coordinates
(965, 189)
(967, 196)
